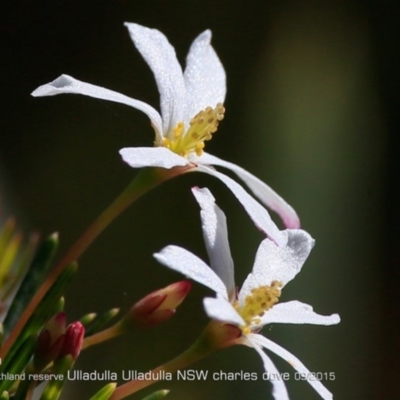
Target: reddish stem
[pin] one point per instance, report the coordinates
(147, 179)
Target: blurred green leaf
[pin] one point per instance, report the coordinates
(54, 387)
(160, 394)
(88, 318)
(105, 392)
(46, 308)
(99, 323)
(33, 279)
(4, 396)
(19, 361)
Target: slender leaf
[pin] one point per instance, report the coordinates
(33, 279)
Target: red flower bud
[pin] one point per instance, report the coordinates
(160, 305)
(73, 339)
(50, 341)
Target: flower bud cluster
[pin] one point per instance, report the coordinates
(57, 340)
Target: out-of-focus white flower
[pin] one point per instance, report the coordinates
(255, 305)
(191, 109)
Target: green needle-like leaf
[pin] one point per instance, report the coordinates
(88, 318)
(24, 259)
(4, 396)
(20, 361)
(54, 387)
(33, 279)
(46, 308)
(160, 394)
(1, 337)
(59, 306)
(99, 323)
(105, 392)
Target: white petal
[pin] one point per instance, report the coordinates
(296, 312)
(221, 310)
(261, 190)
(215, 235)
(294, 362)
(278, 263)
(68, 84)
(138, 157)
(204, 76)
(279, 390)
(161, 58)
(256, 211)
(185, 262)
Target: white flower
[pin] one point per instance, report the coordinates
(191, 108)
(255, 304)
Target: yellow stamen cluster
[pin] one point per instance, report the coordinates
(201, 128)
(257, 303)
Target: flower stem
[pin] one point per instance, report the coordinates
(215, 336)
(147, 179)
(188, 357)
(102, 336)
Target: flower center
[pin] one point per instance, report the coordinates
(201, 128)
(257, 303)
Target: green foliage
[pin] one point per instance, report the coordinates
(4, 396)
(21, 351)
(160, 394)
(101, 321)
(105, 392)
(33, 279)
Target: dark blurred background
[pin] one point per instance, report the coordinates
(312, 109)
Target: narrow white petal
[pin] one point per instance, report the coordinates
(261, 190)
(185, 262)
(138, 157)
(68, 84)
(278, 263)
(204, 76)
(279, 390)
(215, 235)
(256, 211)
(296, 312)
(221, 310)
(294, 362)
(161, 58)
